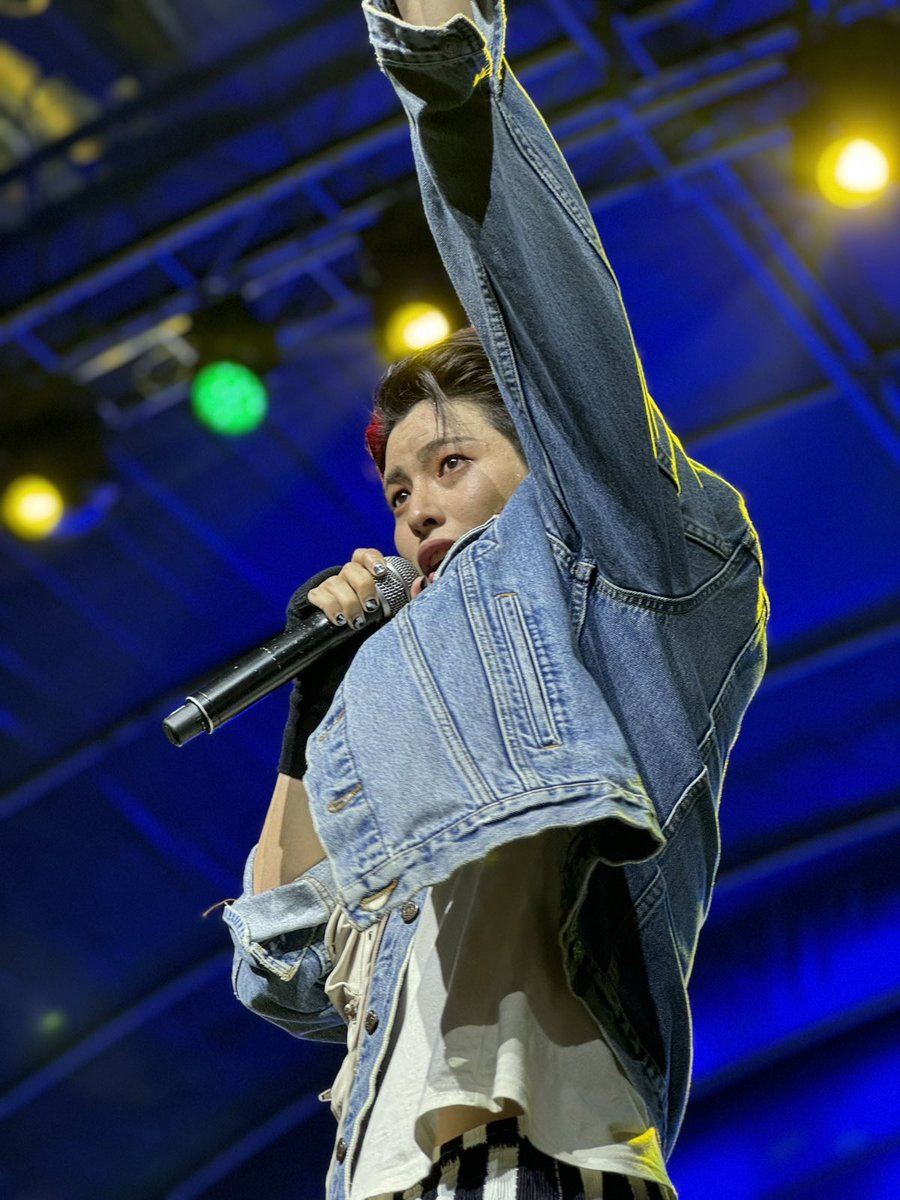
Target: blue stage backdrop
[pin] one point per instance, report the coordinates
(173, 167)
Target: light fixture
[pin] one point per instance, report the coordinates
(234, 352)
(54, 478)
(32, 507)
(847, 134)
(229, 398)
(414, 305)
(853, 172)
(415, 326)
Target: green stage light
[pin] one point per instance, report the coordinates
(229, 398)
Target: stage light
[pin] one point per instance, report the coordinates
(234, 352)
(52, 1022)
(54, 477)
(32, 507)
(846, 135)
(413, 303)
(853, 172)
(229, 398)
(415, 327)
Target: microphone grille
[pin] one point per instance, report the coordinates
(393, 589)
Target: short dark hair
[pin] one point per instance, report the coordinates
(455, 369)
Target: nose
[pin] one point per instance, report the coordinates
(423, 513)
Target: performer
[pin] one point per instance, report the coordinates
(493, 837)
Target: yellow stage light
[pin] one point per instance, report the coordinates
(32, 507)
(415, 327)
(853, 172)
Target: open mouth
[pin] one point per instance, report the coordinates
(432, 555)
(427, 578)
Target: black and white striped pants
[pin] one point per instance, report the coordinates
(497, 1162)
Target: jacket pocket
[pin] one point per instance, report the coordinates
(526, 673)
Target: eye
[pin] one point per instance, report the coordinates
(397, 498)
(451, 462)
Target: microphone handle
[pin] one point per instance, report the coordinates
(253, 676)
(276, 661)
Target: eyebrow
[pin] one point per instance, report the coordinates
(424, 453)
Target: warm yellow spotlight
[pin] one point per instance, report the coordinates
(32, 507)
(415, 327)
(853, 172)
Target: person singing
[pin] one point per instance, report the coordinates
(494, 834)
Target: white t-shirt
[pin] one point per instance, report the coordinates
(485, 1014)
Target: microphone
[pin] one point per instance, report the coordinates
(261, 671)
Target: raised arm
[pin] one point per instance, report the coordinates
(432, 12)
(524, 256)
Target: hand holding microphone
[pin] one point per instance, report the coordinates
(350, 596)
(314, 631)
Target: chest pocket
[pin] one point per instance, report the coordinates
(529, 705)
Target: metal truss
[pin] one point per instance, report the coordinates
(711, 179)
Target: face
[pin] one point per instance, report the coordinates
(442, 479)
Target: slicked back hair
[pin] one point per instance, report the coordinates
(455, 369)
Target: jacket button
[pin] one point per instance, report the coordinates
(371, 1021)
(409, 911)
(340, 1150)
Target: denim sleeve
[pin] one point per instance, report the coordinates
(525, 258)
(280, 960)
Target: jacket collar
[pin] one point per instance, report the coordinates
(462, 542)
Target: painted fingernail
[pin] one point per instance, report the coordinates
(340, 619)
(379, 569)
(371, 605)
(359, 622)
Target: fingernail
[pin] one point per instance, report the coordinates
(340, 619)
(371, 605)
(379, 569)
(359, 622)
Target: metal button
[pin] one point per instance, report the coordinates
(371, 1021)
(340, 1150)
(350, 1009)
(409, 911)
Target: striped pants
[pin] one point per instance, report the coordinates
(496, 1162)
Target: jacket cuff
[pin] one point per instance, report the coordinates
(463, 51)
(273, 928)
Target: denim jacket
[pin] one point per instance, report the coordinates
(584, 659)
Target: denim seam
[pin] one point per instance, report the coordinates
(614, 792)
(686, 800)
(324, 893)
(458, 45)
(443, 720)
(728, 682)
(514, 390)
(518, 758)
(539, 165)
(697, 533)
(534, 693)
(676, 605)
(428, 57)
